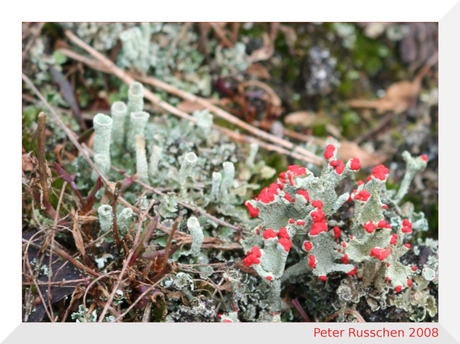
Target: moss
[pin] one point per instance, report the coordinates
(320, 130)
(350, 123)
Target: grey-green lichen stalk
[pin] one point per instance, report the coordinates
(103, 130)
(105, 214)
(119, 112)
(141, 160)
(188, 163)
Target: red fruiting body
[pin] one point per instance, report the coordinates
(369, 227)
(406, 230)
(388, 226)
(329, 153)
(387, 279)
(317, 215)
(317, 204)
(219, 315)
(369, 177)
(363, 195)
(349, 199)
(323, 278)
(319, 222)
(253, 257)
(286, 243)
(287, 196)
(337, 232)
(282, 177)
(269, 233)
(227, 321)
(380, 172)
(254, 212)
(335, 163)
(307, 245)
(344, 259)
(338, 165)
(355, 165)
(318, 227)
(407, 223)
(290, 178)
(414, 267)
(407, 245)
(283, 233)
(280, 185)
(380, 253)
(312, 261)
(239, 238)
(407, 226)
(394, 237)
(300, 222)
(352, 272)
(291, 221)
(351, 237)
(267, 194)
(398, 289)
(339, 250)
(384, 206)
(339, 169)
(304, 193)
(269, 277)
(297, 170)
(409, 283)
(381, 224)
(344, 244)
(424, 157)
(257, 231)
(360, 182)
(388, 265)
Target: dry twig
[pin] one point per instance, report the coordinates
(110, 66)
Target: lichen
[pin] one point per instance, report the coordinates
(299, 202)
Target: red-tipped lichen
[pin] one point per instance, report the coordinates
(380, 172)
(369, 227)
(380, 253)
(329, 152)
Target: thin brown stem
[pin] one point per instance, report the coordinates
(168, 245)
(59, 204)
(42, 165)
(115, 224)
(50, 272)
(63, 254)
(300, 309)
